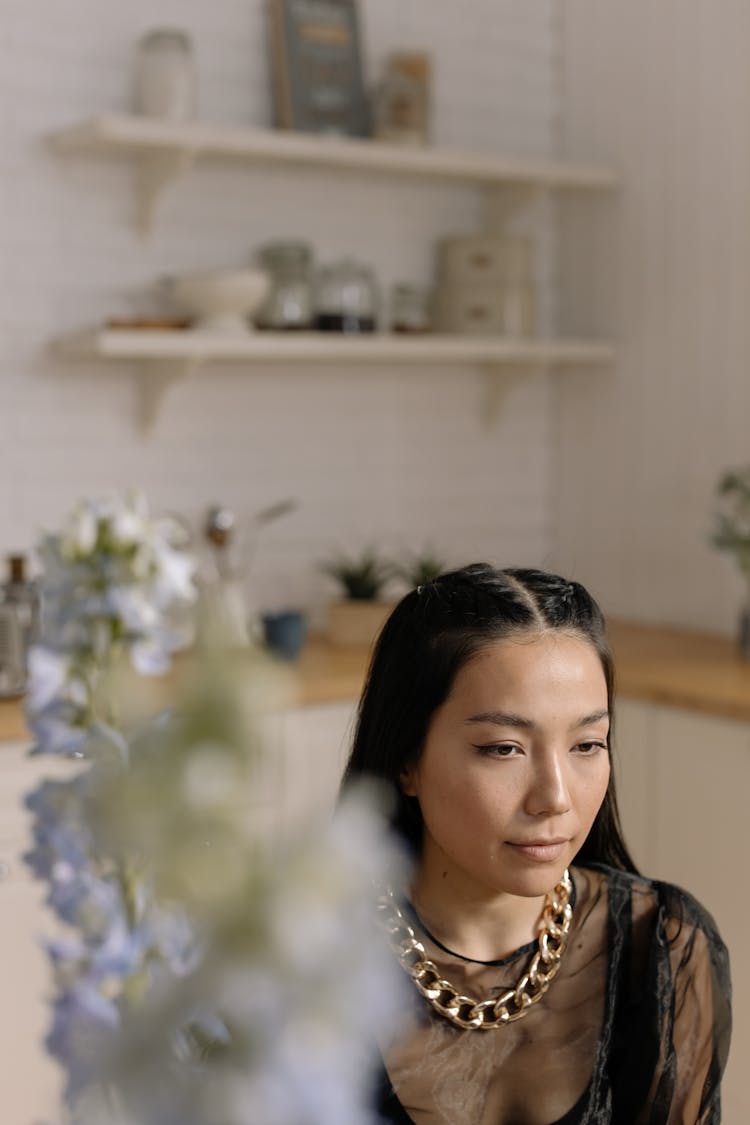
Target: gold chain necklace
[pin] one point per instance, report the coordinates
(482, 1015)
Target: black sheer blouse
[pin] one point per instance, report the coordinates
(634, 1029)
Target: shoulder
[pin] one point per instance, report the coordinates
(659, 907)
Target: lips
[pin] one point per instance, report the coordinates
(542, 851)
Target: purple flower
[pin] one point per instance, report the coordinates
(84, 1024)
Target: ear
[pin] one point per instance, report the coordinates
(408, 781)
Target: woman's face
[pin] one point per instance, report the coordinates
(515, 766)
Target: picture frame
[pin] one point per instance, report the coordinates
(318, 82)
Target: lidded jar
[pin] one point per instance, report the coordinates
(165, 77)
(346, 298)
(290, 303)
(410, 308)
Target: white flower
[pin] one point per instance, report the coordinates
(174, 577)
(132, 605)
(48, 675)
(149, 658)
(272, 939)
(79, 534)
(127, 527)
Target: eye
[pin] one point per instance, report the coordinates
(590, 747)
(497, 749)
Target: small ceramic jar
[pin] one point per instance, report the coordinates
(165, 79)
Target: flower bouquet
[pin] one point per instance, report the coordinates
(215, 970)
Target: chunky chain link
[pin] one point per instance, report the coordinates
(464, 1011)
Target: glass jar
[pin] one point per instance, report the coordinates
(410, 309)
(165, 79)
(346, 298)
(289, 305)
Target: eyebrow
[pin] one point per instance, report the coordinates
(508, 719)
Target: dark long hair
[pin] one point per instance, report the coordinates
(430, 635)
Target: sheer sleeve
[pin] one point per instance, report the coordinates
(695, 997)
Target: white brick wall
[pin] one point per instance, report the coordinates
(663, 92)
(396, 457)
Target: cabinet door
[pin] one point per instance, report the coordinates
(315, 748)
(631, 761)
(32, 1082)
(702, 782)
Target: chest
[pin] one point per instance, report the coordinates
(532, 1072)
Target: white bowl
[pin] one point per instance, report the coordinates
(220, 300)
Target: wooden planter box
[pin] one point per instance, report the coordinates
(352, 622)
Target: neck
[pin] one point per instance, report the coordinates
(477, 924)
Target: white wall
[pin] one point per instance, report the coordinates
(396, 457)
(663, 92)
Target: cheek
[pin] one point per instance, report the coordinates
(466, 799)
(596, 789)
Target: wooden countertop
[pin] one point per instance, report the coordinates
(679, 668)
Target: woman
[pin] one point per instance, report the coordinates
(551, 983)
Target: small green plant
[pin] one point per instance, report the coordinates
(732, 530)
(361, 576)
(422, 568)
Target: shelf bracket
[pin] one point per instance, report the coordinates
(154, 172)
(155, 377)
(500, 380)
(502, 203)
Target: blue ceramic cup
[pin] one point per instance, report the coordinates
(284, 631)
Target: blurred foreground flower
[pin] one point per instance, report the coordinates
(221, 969)
(115, 585)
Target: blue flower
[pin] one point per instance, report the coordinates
(84, 1024)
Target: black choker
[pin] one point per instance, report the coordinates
(475, 960)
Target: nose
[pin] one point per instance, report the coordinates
(548, 792)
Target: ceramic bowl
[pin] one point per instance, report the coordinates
(220, 300)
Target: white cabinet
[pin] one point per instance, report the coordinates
(685, 780)
(315, 745)
(308, 749)
(635, 793)
(32, 1082)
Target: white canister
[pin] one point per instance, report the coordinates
(165, 79)
(487, 310)
(484, 259)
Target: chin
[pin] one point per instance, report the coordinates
(538, 880)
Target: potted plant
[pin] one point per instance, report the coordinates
(357, 617)
(422, 568)
(732, 534)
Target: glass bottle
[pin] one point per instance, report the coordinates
(12, 655)
(22, 594)
(165, 78)
(19, 625)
